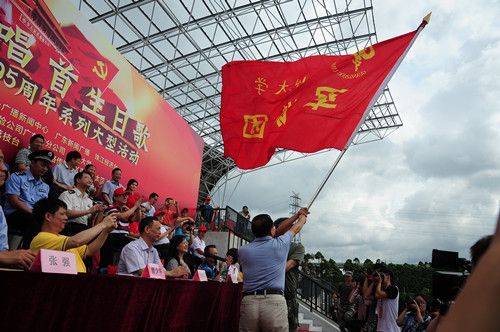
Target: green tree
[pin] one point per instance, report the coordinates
(348, 265)
(319, 256)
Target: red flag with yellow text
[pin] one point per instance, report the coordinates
(307, 105)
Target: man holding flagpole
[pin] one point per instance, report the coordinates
(263, 263)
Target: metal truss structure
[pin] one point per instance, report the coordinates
(180, 46)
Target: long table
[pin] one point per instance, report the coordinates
(55, 302)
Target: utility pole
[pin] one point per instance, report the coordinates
(294, 207)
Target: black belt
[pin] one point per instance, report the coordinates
(264, 292)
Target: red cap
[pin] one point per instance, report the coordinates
(157, 213)
(208, 198)
(120, 191)
(202, 229)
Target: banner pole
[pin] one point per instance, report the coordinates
(326, 177)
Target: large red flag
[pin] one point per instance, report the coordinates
(307, 105)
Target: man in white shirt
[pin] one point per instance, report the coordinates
(149, 205)
(64, 174)
(198, 246)
(137, 254)
(387, 296)
(80, 206)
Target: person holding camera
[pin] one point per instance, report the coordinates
(414, 318)
(387, 296)
(186, 229)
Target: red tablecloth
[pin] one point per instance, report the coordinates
(53, 302)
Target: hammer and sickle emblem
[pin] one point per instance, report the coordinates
(102, 72)
(365, 54)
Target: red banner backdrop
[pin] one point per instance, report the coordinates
(61, 79)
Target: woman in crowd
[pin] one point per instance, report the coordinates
(163, 243)
(178, 255)
(133, 196)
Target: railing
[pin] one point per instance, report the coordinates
(238, 224)
(316, 296)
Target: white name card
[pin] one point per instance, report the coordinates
(200, 275)
(153, 271)
(54, 261)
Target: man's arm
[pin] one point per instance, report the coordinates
(106, 198)
(16, 202)
(95, 245)
(62, 185)
(479, 297)
(290, 264)
(126, 214)
(179, 271)
(379, 293)
(285, 225)
(19, 258)
(86, 236)
(57, 176)
(367, 290)
(401, 317)
(299, 224)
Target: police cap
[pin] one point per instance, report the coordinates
(45, 155)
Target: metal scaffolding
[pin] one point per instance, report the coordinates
(180, 46)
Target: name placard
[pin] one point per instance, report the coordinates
(200, 275)
(234, 277)
(153, 271)
(54, 261)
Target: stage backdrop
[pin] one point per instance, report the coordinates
(61, 78)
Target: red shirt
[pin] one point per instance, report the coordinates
(132, 198)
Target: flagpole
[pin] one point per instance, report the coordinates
(326, 177)
(425, 21)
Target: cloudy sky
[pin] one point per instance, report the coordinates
(435, 182)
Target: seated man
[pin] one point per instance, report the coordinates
(23, 190)
(64, 174)
(22, 162)
(110, 186)
(15, 258)
(80, 206)
(51, 214)
(137, 254)
(119, 237)
(210, 263)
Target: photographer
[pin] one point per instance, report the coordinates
(387, 296)
(186, 229)
(414, 318)
(347, 309)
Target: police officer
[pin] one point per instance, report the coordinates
(23, 190)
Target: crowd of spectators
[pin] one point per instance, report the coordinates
(114, 228)
(371, 304)
(111, 228)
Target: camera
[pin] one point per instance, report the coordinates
(409, 302)
(189, 228)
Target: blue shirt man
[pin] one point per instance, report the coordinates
(263, 264)
(110, 186)
(27, 188)
(210, 264)
(4, 244)
(23, 190)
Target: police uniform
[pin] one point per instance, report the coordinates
(29, 191)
